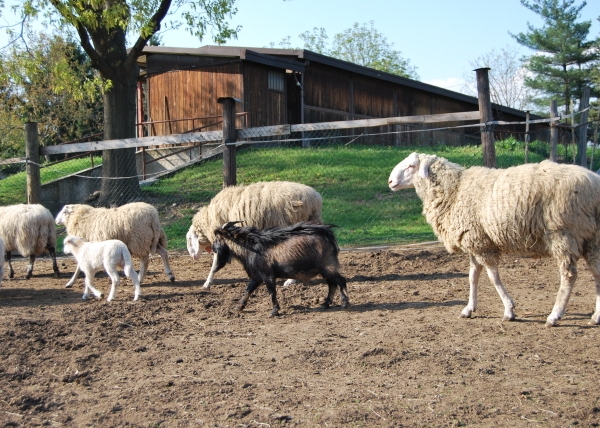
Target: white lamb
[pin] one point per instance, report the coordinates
(136, 224)
(109, 255)
(29, 230)
(260, 205)
(545, 209)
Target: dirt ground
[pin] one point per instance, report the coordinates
(183, 356)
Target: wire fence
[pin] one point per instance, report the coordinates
(349, 167)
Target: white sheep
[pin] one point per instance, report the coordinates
(2, 261)
(29, 230)
(136, 224)
(109, 255)
(262, 204)
(541, 210)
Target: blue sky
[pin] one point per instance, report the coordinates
(440, 38)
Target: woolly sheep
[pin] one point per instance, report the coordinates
(301, 251)
(541, 210)
(135, 224)
(29, 230)
(262, 204)
(109, 255)
(2, 262)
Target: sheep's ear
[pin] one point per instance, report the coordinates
(424, 164)
(424, 170)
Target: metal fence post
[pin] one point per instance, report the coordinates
(32, 153)
(485, 111)
(582, 146)
(229, 138)
(553, 131)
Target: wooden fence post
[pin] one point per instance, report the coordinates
(553, 131)
(582, 144)
(485, 112)
(32, 153)
(229, 137)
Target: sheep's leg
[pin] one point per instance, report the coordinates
(165, 258)
(30, 266)
(509, 305)
(249, 290)
(115, 281)
(137, 289)
(568, 275)
(332, 289)
(474, 274)
(594, 266)
(211, 274)
(73, 278)
(89, 286)
(272, 289)
(11, 271)
(143, 267)
(52, 252)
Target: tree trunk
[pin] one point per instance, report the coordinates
(120, 183)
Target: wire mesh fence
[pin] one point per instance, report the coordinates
(349, 167)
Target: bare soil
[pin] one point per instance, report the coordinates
(184, 357)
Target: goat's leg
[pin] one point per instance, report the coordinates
(52, 252)
(341, 282)
(73, 278)
(474, 274)
(30, 266)
(272, 289)
(143, 267)
(165, 258)
(568, 275)
(249, 290)
(211, 274)
(11, 271)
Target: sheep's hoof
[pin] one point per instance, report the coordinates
(11, 275)
(274, 313)
(346, 306)
(172, 279)
(325, 305)
(467, 315)
(508, 318)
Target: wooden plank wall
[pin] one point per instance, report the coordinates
(189, 94)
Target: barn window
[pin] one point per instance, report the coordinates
(276, 81)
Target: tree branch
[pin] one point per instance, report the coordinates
(153, 23)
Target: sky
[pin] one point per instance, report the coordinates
(440, 38)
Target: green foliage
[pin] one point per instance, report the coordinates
(563, 57)
(361, 45)
(50, 81)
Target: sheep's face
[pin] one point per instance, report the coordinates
(195, 241)
(63, 215)
(68, 244)
(403, 174)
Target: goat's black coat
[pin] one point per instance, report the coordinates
(300, 251)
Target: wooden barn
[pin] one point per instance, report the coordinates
(179, 88)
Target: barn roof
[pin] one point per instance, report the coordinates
(298, 60)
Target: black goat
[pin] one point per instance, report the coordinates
(300, 251)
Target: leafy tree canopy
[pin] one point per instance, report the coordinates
(564, 57)
(360, 44)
